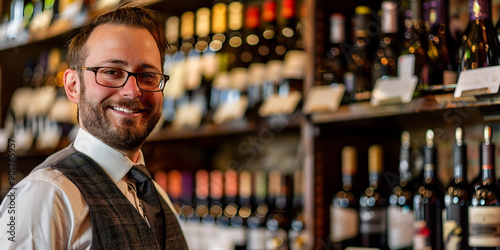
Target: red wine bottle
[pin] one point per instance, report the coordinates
(428, 203)
(400, 210)
(484, 208)
(373, 204)
(344, 224)
(480, 46)
(387, 52)
(456, 198)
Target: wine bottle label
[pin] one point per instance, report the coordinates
(484, 226)
(193, 78)
(344, 223)
(452, 228)
(373, 220)
(256, 238)
(276, 239)
(256, 72)
(294, 64)
(421, 236)
(399, 233)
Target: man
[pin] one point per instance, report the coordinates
(91, 195)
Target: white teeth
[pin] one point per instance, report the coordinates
(128, 111)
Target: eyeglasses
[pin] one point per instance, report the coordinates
(116, 78)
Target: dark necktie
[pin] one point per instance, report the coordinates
(146, 191)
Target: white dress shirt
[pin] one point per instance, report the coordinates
(51, 213)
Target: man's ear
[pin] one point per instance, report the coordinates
(72, 85)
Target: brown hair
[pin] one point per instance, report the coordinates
(133, 16)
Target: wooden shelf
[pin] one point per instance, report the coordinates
(363, 110)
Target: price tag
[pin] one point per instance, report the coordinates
(188, 116)
(478, 81)
(406, 65)
(231, 111)
(324, 98)
(393, 90)
(280, 105)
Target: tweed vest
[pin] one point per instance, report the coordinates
(115, 222)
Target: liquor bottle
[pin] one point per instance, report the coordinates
(484, 208)
(360, 55)
(174, 189)
(218, 44)
(235, 230)
(297, 236)
(387, 52)
(202, 195)
(257, 221)
(400, 210)
(428, 202)
(456, 198)
(216, 193)
(278, 221)
(480, 46)
(344, 215)
(187, 206)
(373, 204)
(275, 54)
(289, 38)
(442, 64)
(414, 59)
(333, 66)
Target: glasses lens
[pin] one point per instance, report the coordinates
(111, 77)
(149, 81)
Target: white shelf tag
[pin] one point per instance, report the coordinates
(393, 90)
(324, 98)
(478, 81)
(278, 105)
(188, 116)
(231, 111)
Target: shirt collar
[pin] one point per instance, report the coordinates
(111, 160)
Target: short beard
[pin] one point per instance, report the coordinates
(123, 138)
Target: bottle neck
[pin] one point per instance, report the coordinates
(389, 21)
(488, 162)
(347, 182)
(460, 162)
(437, 12)
(337, 33)
(374, 178)
(429, 163)
(479, 9)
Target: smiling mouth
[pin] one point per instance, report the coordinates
(128, 111)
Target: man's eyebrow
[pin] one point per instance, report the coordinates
(142, 66)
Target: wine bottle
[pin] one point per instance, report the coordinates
(480, 46)
(187, 206)
(484, 208)
(344, 215)
(216, 193)
(456, 198)
(174, 189)
(414, 59)
(332, 68)
(360, 55)
(297, 235)
(235, 231)
(278, 221)
(428, 202)
(387, 52)
(373, 204)
(257, 221)
(442, 64)
(400, 210)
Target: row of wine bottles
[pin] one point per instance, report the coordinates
(409, 39)
(238, 210)
(418, 213)
(227, 60)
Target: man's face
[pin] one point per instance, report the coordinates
(120, 117)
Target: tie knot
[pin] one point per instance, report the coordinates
(140, 173)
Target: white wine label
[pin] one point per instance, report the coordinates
(344, 223)
(324, 98)
(193, 78)
(451, 237)
(273, 71)
(421, 237)
(406, 66)
(175, 86)
(256, 73)
(393, 90)
(188, 116)
(238, 78)
(484, 226)
(211, 62)
(230, 111)
(399, 233)
(372, 220)
(279, 105)
(478, 81)
(294, 64)
(256, 238)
